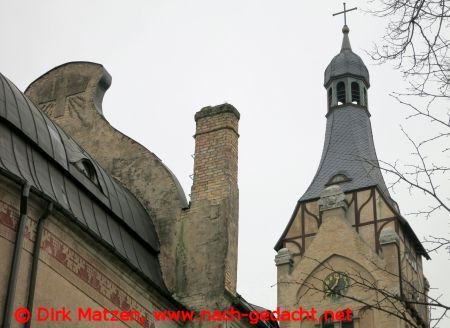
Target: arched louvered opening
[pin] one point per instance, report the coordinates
(366, 101)
(356, 96)
(341, 93)
(330, 96)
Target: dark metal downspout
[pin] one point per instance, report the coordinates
(34, 266)
(15, 266)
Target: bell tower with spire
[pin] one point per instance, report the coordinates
(347, 246)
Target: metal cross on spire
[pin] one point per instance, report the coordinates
(345, 11)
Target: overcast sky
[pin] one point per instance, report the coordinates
(168, 59)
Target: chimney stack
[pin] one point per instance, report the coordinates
(216, 153)
(207, 269)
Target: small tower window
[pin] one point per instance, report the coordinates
(356, 98)
(341, 93)
(330, 96)
(338, 178)
(87, 168)
(366, 101)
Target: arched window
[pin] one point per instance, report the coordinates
(327, 321)
(348, 323)
(356, 98)
(338, 178)
(330, 96)
(341, 93)
(366, 101)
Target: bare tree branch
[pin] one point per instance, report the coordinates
(403, 305)
(417, 41)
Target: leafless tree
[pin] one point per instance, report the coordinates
(417, 41)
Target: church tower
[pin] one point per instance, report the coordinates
(347, 246)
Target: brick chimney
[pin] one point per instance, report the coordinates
(216, 153)
(207, 266)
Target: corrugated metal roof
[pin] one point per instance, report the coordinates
(34, 149)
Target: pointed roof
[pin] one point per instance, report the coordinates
(346, 63)
(345, 40)
(348, 154)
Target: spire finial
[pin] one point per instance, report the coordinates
(345, 39)
(345, 11)
(345, 29)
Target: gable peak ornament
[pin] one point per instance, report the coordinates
(332, 197)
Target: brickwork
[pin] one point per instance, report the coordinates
(207, 252)
(216, 155)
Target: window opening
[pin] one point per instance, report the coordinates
(356, 97)
(341, 93)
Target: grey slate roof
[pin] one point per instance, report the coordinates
(348, 149)
(34, 149)
(346, 63)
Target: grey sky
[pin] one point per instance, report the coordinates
(168, 59)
